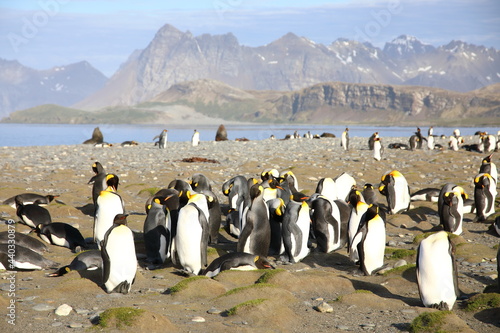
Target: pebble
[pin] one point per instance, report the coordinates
(43, 307)
(56, 324)
(342, 327)
(63, 310)
(324, 308)
(400, 263)
(198, 319)
(82, 311)
(214, 311)
(76, 325)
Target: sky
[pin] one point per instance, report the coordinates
(45, 33)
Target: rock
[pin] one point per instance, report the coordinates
(214, 311)
(198, 319)
(43, 307)
(76, 325)
(324, 308)
(63, 310)
(400, 263)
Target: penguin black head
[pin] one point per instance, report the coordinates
(487, 159)
(262, 263)
(299, 197)
(97, 167)
(112, 181)
(371, 212)
(368, 185)
(274, 183)
(255, 191)
(18, 201)
(120, 219)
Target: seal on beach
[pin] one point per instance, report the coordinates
(191, 241)
(396, 190)
(236, 261)
(61, 234)
(371, 241)
(109, 204)
(437, 272)
(96, 138)
(221, 134)
(24, 240)
(450, 208)
(30, 198)
(255, 237)
(32, 214)
(296, 226)
(24, 258)
(85, 261)
(119, 260)
(485, 192)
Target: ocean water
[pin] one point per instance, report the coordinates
(66, 134)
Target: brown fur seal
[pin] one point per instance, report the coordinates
(97, 137)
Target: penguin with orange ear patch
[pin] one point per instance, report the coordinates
(396, 190)
(485, 192)
(450, 208)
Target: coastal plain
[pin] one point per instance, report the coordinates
(282, 300)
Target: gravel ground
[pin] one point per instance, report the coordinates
(389, 304)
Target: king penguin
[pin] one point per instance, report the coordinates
(118, 257)
(437, 272)
(156, 231)
(98, 181)
(396, 190)
(236, 261)
(191, 240)
(487, 166)
(330, 232)
(109, 204)
(24, 259)
(344, 140)
(485, 192)
(201, 184)
(162, 139)
(84, 261)
(24, 240)
(450, 208)
(296, 227)
(61, 234)
(32, 214)
(30, 198)
(195, 139)
(276, 212)
(371, 243)
(378, 149)
(359, 208)
(255, 237)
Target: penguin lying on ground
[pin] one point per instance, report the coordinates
(24, 240)
(32, 214)
(30, 198)
(87, 260)
(426, 194)
(236, 261)
(61, 234)
(24, 259)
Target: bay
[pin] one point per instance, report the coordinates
(13, 135)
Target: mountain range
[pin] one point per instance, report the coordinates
(288, 64)
(291, 63)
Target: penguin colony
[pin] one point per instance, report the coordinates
(267, 217)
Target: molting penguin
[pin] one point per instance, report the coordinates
(84, 261)
(61, 234)
(156, 231)
(396, 190)
(296, 227)
(30, 198)
(371, 140)
(437, 272)
(450, 208)
(371, 241)
(32, 214)
(430, 142)
(236, 261)
(485, 192)
(24, 259)
(191, 241)
(195, 139)
(327, 224)
(23, 240)
(426, 194)
(109, 204)
(119, 262)
(255, 236)
(453, 143)
(344, 140)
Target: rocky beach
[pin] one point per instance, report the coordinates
(322, 293)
